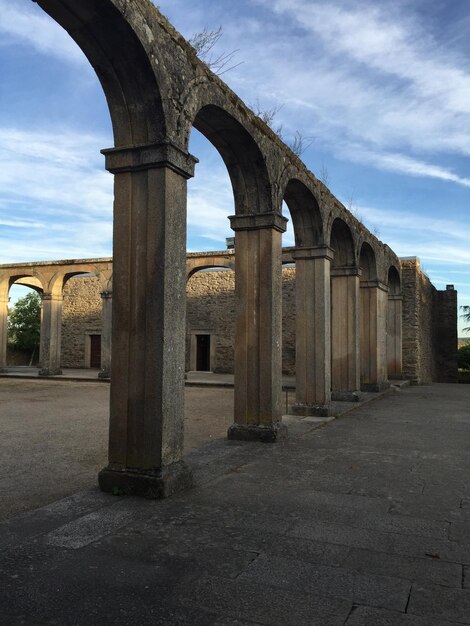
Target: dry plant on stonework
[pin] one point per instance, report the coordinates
(300, 143)
(204, 43)
(268, 115)
(466, 316)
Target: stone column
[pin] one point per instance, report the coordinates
(3, 330)
(51, 331)
(394, 336)
(374, 296)
(148, 330)
(313, 330)
(106, 331)
(345, 362)
(258, 328)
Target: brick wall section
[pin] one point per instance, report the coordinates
(81, 315)
(429, 328)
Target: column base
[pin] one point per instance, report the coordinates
(346, 396)
(257, 432)
(306, 410)
(45, 371)
(104, 375)
(375, 387)
(148, 484)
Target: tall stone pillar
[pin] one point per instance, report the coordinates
(148, 330)
(374, 297)
(3, 330)
(394, 336)
(258, 328)
(51, 332)
(106, 333)
(313, 330)
(345, 363)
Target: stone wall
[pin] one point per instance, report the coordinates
(211, 310)
(81, 316)
(429, 322)
(429, 328)
(445, 335)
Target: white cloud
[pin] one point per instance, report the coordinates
(55, 197)
(23, 22)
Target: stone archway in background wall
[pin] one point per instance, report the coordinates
(394, 324)
(210, 314)
(32, 281)
(345, 315)
(373, 311)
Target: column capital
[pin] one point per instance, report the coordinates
(374, 284)
(150, 156)
(258, 221)
(106, 294)
(349, 270)
(50, 296)
(314, 252)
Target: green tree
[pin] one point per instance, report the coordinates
(24, 323)
(466, 316)
(463, 357)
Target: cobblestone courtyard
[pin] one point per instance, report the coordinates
(365, 521)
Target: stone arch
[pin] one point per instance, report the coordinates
(306, 214)
(210, 295)
(367, 262)
(117, 54)
(394, 324)
(345, 364)
(373, 314)
(342, 243)
(219, 263)
(241, 154)
(394, 281)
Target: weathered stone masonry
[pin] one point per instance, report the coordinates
(429, 316)
(157, 90)
(429, 327)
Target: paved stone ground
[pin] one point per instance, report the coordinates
(364, 521)
(55, 436)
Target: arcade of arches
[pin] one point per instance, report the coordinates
(348, 285)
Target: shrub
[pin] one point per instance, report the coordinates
(463, 357)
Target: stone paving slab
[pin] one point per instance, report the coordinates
(346, 524)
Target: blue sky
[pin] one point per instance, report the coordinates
(381, 89)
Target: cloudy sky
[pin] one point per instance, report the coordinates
(381, 90)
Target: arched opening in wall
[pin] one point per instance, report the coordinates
(249, 197)
(82, 321)
(344, 312)
(64, 185)
(24, 323)
(394, 324)
(372, 326)
(304, 294)
(210, 328)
